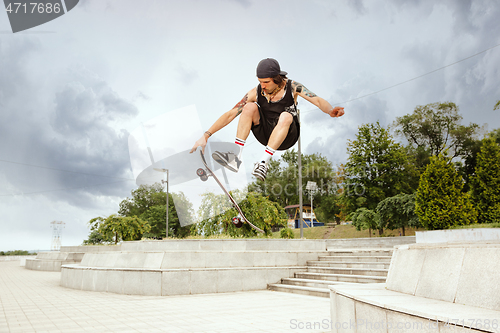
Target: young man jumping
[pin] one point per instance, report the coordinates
(270, 112)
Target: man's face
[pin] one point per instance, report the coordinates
(267, 84)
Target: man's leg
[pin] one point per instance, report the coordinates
(278, 135)
(248, 117)
(280, 132)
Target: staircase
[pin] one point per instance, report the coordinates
(338, 267)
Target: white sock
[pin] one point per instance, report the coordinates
(240, 143)
(268, 153)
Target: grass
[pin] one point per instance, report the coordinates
(345, 231)
(477, 225)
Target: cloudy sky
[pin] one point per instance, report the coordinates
(72, 90)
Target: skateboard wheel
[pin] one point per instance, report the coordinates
(204, 178)
(200, 172)
(237, 222)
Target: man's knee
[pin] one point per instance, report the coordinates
(286, 119)
(250, 109)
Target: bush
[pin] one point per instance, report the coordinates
(287, 233)
(440, 202)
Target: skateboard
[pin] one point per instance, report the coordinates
(207, 172)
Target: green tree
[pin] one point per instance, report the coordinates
(281, 184)
(398, 212)
(377, 168)
(96, 238)
(486, 182)
(143, 198)
(216, 214)
(440, 202)
(364, 218)
(148, 202)
(436, 128)
(497, 106)
(120, 228)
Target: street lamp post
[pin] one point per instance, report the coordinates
(166, 210)
(312, 187)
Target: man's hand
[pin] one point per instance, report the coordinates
(336, 112)
(202, 142)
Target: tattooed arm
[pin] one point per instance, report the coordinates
(300, 90)
(226, 118)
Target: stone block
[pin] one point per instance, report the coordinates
(440, 273)
(242, 259)
(132, 282)
(101, 283)
(285, 258)
(179, 259)
(151, 283)
(264, 259)
(75, 279)
(370, 318)
(88, 280)
(230, 279)
(478, 284)
(203, 281)
(153, 260)
(176, 282)
(255, 279)
(114, 280)
(404, 271)
(198, 259)
(218, 259)
(346, 315)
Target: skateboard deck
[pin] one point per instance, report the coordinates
(237, 221)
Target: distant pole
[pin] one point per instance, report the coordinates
(299, 159)
(166, 210)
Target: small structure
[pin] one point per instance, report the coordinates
(308, 215)
(57, 227)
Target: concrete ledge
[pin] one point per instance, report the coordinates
(166, 282)
(458, 235)
(199, 259)
(465, 273)
(368, 243)
(371, 307)
(223, 245)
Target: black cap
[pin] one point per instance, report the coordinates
(269, 68)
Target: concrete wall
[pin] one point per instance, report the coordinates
(458, 235)
(464, 273)
(168, 282)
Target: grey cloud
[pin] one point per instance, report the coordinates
(74, 133)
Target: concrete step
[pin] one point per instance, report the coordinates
(386, 259)
(365, 265)
(361, 252)
(314, 283)
(341, 277)
(351, 271)
(321, 292)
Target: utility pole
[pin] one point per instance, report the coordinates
(57, 227)
(166, 210)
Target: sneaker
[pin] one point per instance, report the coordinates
(228, 160)
(260, 170)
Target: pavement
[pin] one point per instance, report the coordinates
(33, 301)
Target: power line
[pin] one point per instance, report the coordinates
(57, 190)
(55, 169)
(412, 79)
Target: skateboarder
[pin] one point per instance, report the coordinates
(270, 112)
